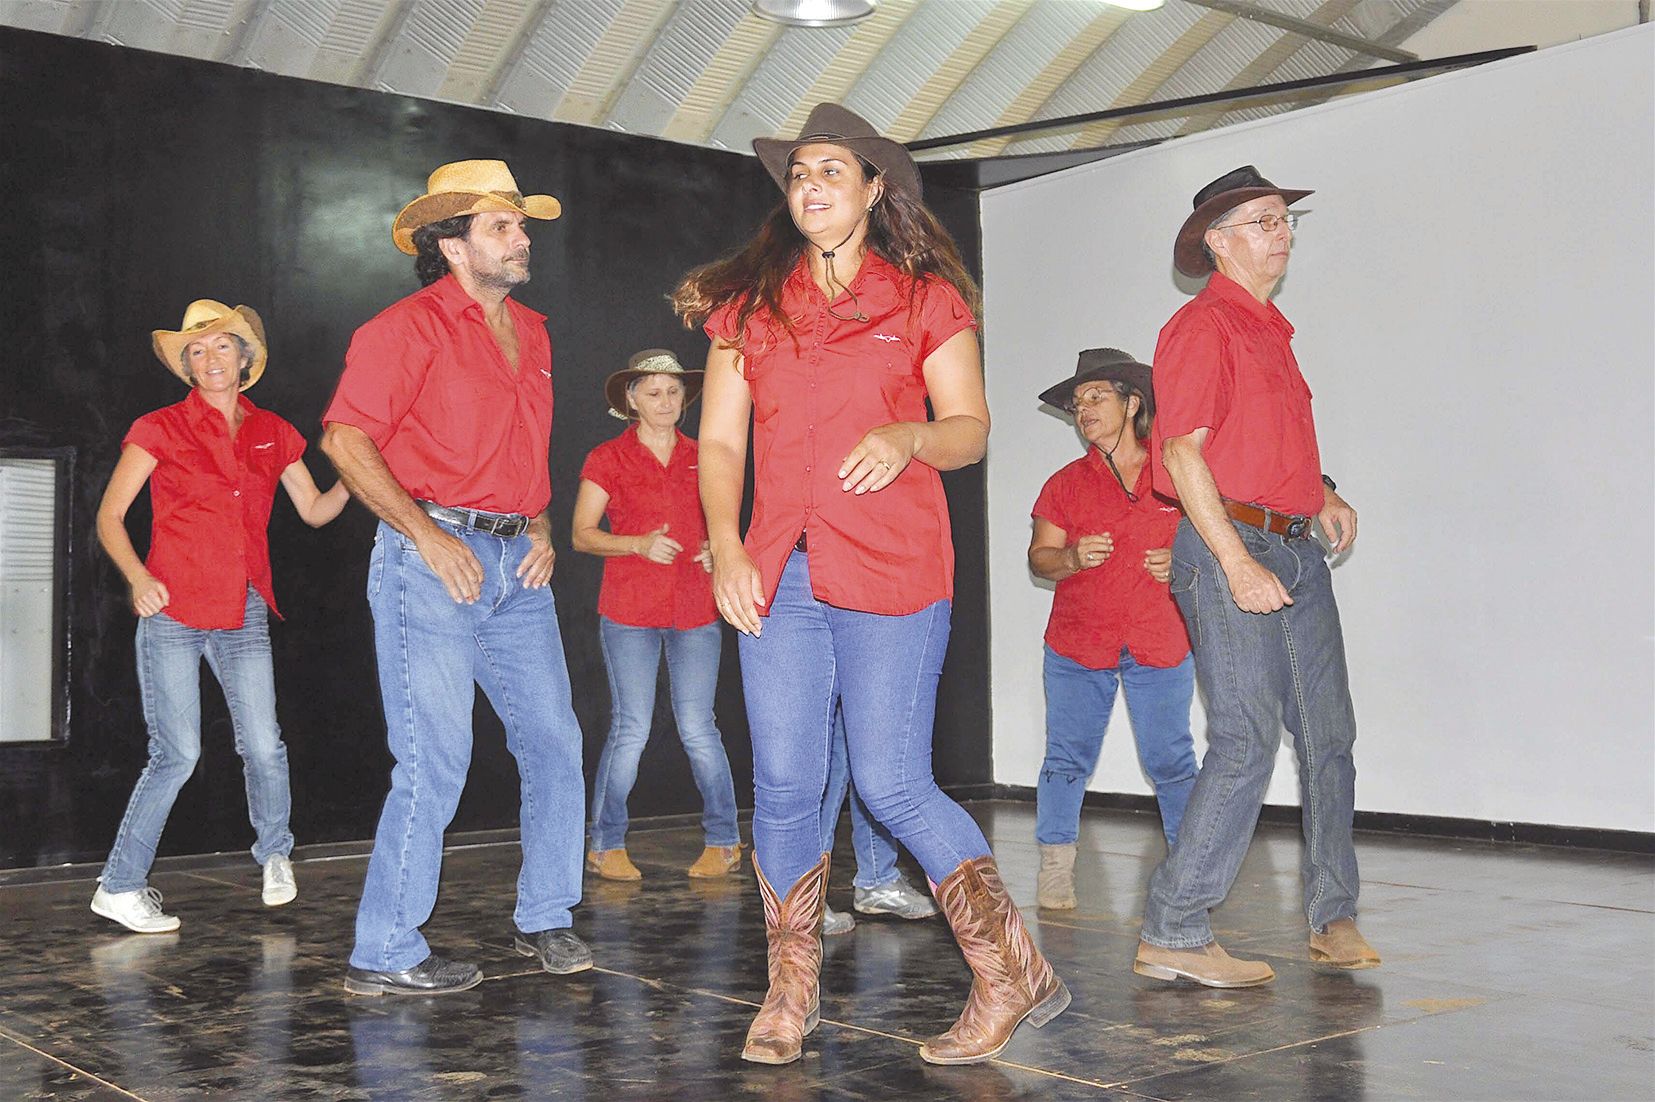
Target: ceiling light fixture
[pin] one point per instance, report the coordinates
(1135, 5)
(818, 13)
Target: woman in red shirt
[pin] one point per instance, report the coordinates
(655, 594)
(212, 463)
(1106, 540)
(830, 329)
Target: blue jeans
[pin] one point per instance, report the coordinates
(874, 847)
(169, 682)
(633, 658)
(431, 650)
(1078, 703)
(1258, 673)
(883, 671)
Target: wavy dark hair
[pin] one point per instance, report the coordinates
(901, 229)
(429, 263)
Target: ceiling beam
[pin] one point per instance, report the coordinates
(1241, 9)
(1286, 90)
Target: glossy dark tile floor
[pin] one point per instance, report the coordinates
(1511, 972)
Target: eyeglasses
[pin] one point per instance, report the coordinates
(1269, 223)
(1095, 396)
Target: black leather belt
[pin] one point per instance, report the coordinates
(505, 525)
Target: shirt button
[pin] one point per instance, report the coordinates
(807, 470)
(235, 493)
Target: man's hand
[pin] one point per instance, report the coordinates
(1090, 551)
(536, 567)
(1338, 520)
(1254, 588)
(453, 563)
(657, 546)
(1158, 561)
(149, 595)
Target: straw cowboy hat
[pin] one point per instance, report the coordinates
(1102, 365)
(468, 187)
(828, 122)
(651, 361)
(203, 318)
(1238, 186)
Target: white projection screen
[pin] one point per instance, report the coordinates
(1473, 290)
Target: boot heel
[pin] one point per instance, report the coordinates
(1050, 1007)
(1153, 971)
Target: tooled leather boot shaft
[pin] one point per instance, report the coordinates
(792, 929)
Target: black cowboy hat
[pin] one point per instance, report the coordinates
(828, 122)
(1097, 365)
(1238, 186)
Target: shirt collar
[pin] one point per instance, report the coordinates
(680, 443)
(875, 274)
(453, 300)
(1224, 288)
(199, 411)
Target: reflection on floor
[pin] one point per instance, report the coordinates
(1510, 972)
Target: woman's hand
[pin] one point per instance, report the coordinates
(1090, 551)
(705, 556)
(878, 458)
(657, 546)
(149, 595)
(738, 588)
(1158, 561)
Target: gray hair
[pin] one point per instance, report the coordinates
(246, 359)
(1213, 225)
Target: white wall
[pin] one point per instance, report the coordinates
(1473, 292)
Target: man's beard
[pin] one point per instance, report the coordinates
(502, 276)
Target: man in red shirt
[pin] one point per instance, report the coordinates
(1235, 444)
(440, 425)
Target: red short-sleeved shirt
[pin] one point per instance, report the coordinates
(210, 499)
(456, 425)
(1117, 604)
(643, 495)
(889, 552)
(1225, 362)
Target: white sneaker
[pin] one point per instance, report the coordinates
(836, 922)
(138, 910)
(896, 898)
(279, 886)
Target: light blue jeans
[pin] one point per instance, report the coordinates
(632, 656)
(1258, 673)
(883, 671)
(874, 847)
(1079, 701)
(169, 683)
(432, 652)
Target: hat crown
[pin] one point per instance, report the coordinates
(655, 361)
(829, 120)
(1244, 177)
(1094, 358)
(204, 312)
(479, 177)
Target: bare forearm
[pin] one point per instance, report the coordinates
(950, 443)
(1052, 563)
(721, 475)
(1198, 494)
(595, 541)
(117, 544)
(362, 469)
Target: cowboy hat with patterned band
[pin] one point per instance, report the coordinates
(651, 361)
(468, 187)
(203, 318)
(1102, 365)
(1232, 189)
(834, 125)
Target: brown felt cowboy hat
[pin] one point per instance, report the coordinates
(1238, 186)
(468, 187)
(1102, 365)
(203, 318)
(651, 361)
(828, 122)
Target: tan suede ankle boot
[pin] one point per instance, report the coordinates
(793, 929)
(1011, 982)
(1055, 888)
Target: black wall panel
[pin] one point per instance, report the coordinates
(133, 183)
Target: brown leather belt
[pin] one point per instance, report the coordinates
(1285, 525)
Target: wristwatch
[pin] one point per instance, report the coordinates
(1330, 484)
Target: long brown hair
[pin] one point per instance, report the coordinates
(901, 229)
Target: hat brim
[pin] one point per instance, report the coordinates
(1135, 375)
(435, 208)
(891, 158)
(614, 388)
(1187, 256)
(243, 321)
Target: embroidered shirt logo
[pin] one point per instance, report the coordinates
(261, 447)
(886, 337)
(546, 373)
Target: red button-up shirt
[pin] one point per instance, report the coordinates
(643, 495)
(1116, 604)
(815, 393)
(1225, 362)
(210, 499)
(456, 425)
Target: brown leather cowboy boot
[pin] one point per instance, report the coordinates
(1011, 981)
(793, 929)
